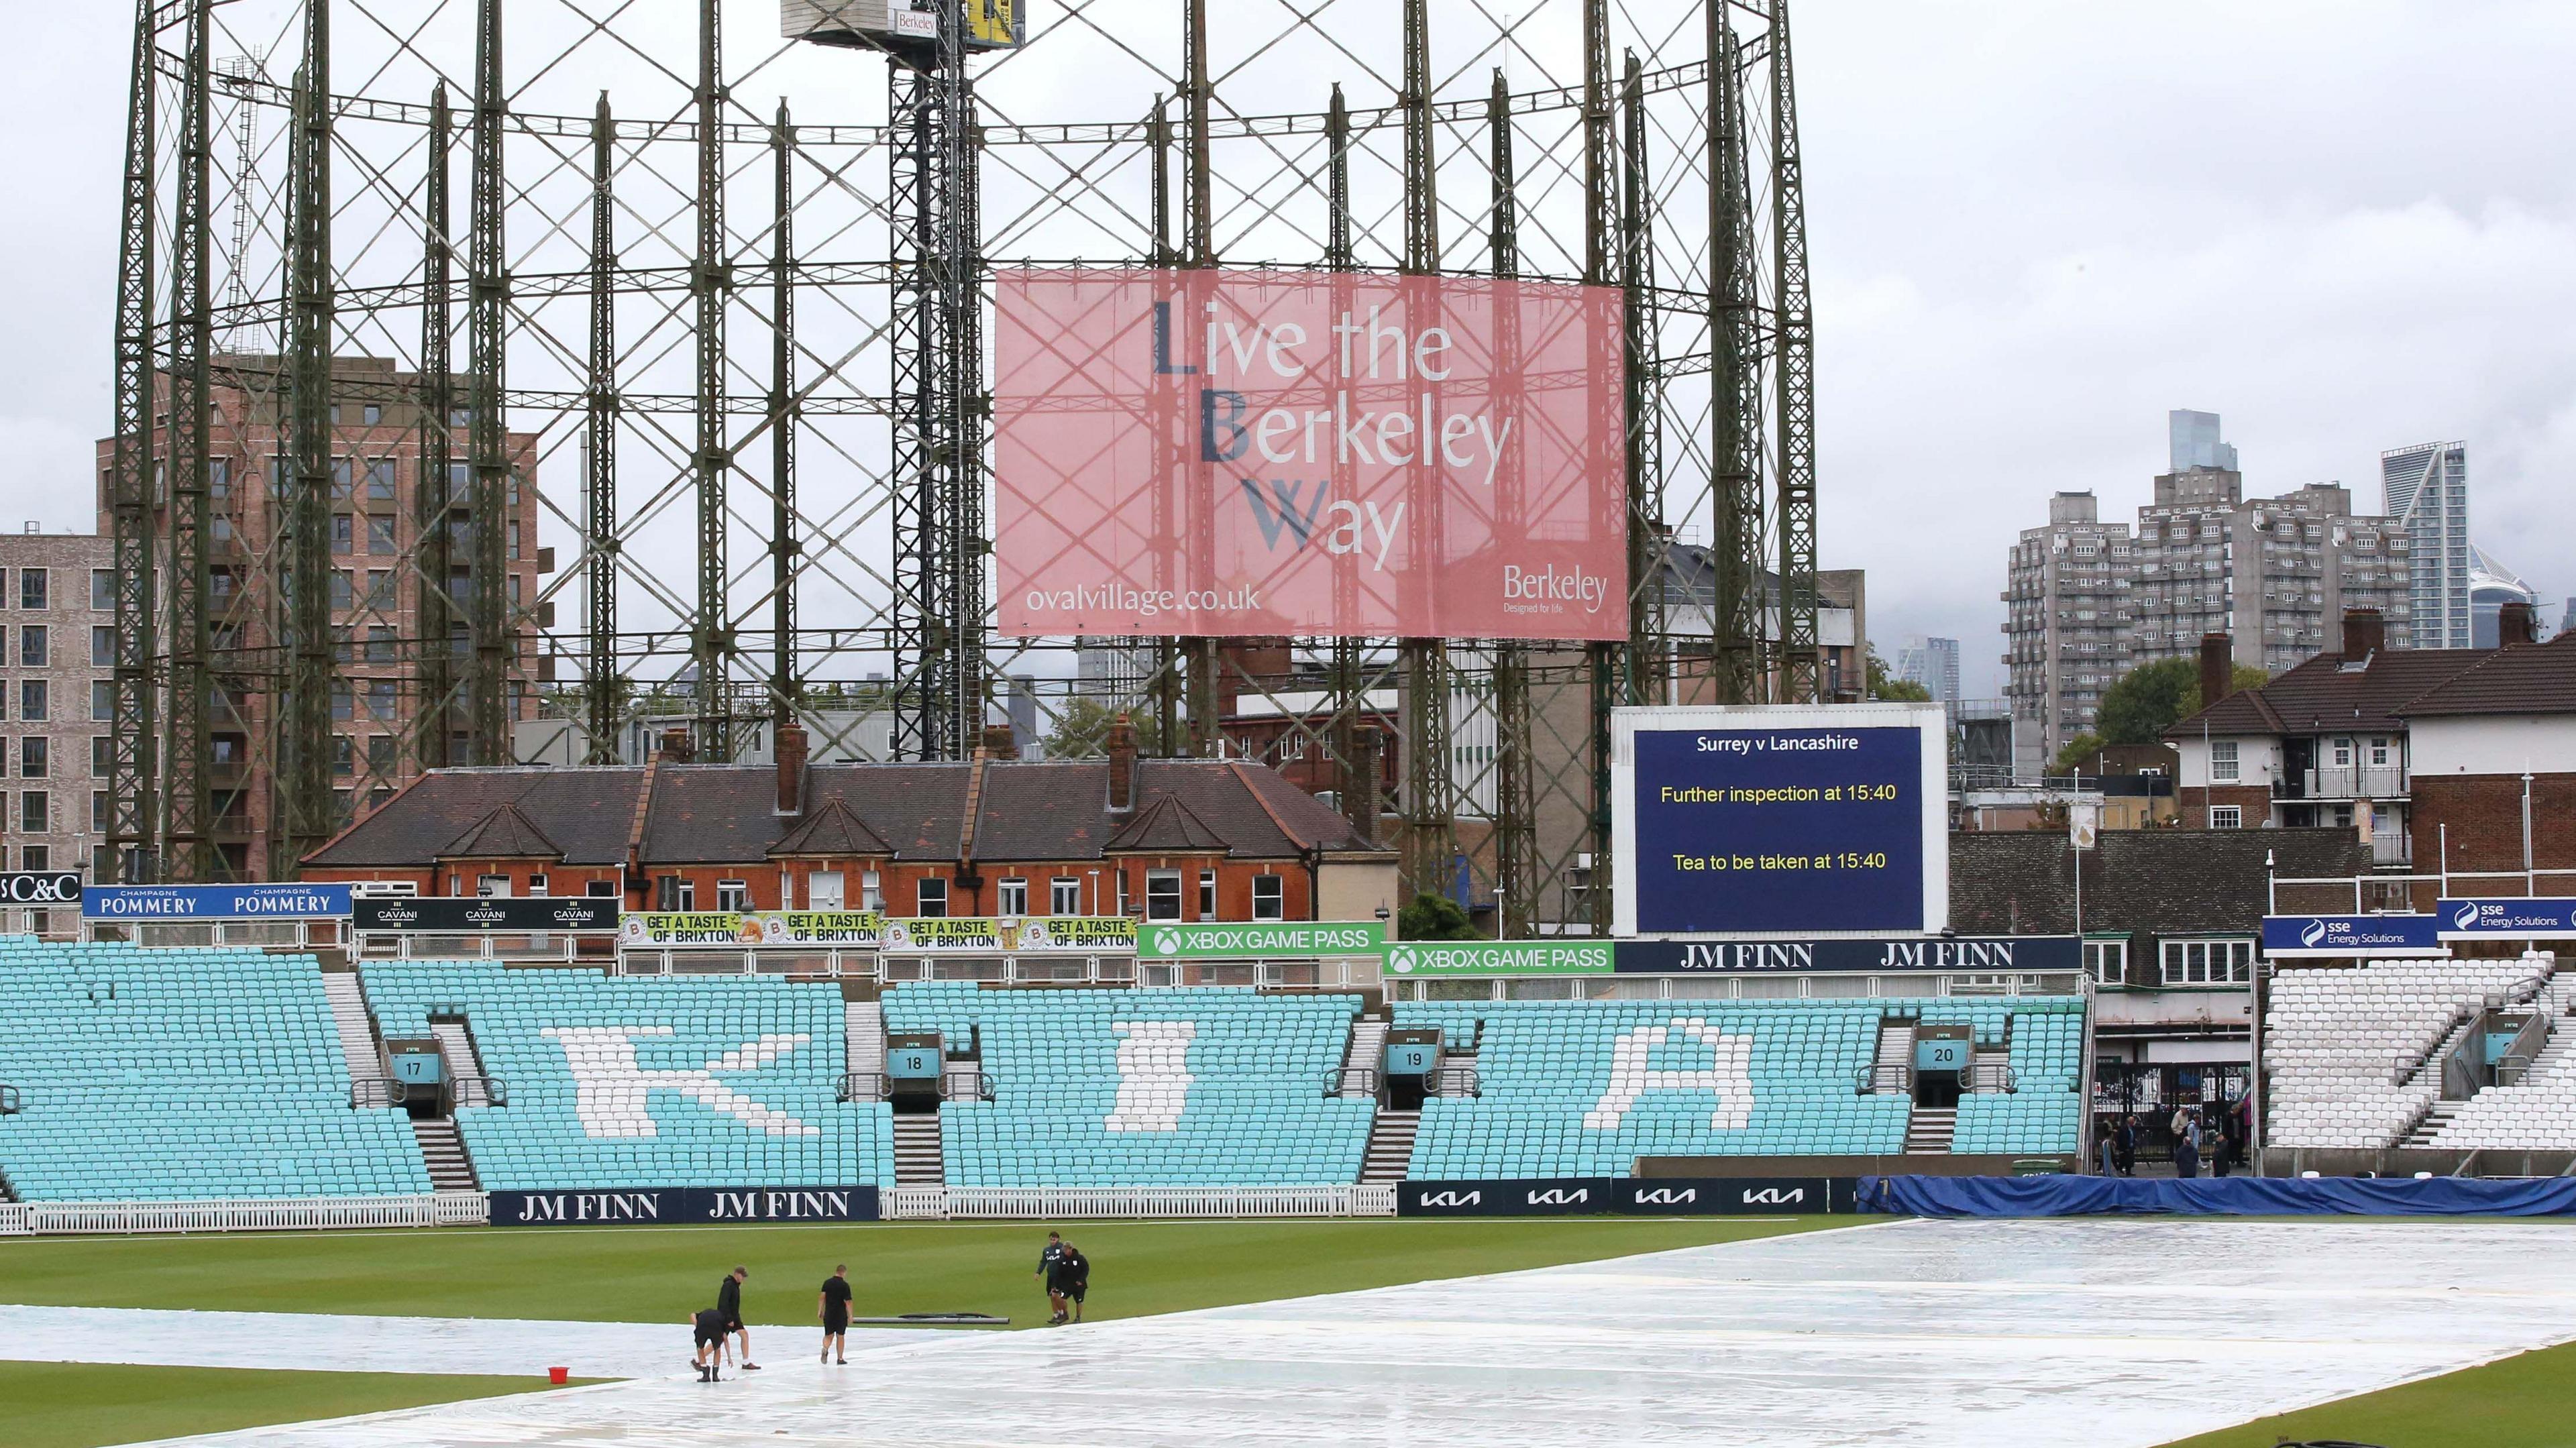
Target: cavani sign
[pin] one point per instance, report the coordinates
(1242, 452)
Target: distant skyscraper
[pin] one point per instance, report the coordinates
(2195, 442)
(2427, 491)
(2491, 587)
(1933, 663)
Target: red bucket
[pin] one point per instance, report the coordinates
(558, 1376)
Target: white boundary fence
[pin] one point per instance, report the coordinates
(1075, 1203)
(901, 1204)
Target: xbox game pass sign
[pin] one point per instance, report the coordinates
(1780, 820)
(1289, 939)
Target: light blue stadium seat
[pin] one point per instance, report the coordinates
(1219, 1087)
(732, 1081)
(183, 1075)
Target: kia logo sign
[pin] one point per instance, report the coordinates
(1452, 1199)
(41, 887)
(1667, 1197)
(1559, 1197)
(1775, 1197)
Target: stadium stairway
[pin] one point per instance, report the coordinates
(442, 1150)
(464, 1063)
(1390, 1145)
(863, 1036)
(1365, 1058)
(358, 1044)
(1929, 1132)
(1895, 1055)
(917, 1150)
(2433, 1124)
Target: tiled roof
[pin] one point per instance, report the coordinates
(2524, 679)
(832, 830)
(585, 812)
(727, 814)
(504, 834)
(2154, 882)
(1166, 827)
(2324, 694)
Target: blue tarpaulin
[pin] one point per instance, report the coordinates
(2073, 1196)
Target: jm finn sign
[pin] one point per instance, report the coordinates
(2023, 953)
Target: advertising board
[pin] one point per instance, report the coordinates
(473, 915)
(651, 1206)
(1210, 452)
(2512, 918)
(1780, 820)
(1025, 935)
(2306, 937)
(214, 902)
(40, 887)
(1432, 959)
(1291, 939)
(1979, 955)
(823, 928)
(1627, 1196)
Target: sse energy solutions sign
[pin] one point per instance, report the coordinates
(1780, 820)
(1239, 452)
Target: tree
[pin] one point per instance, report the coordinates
(2079, 755)
(1434, 917)
(2145, 702)
(1883, 685)
(1082, 731)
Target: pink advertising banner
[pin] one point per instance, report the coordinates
(1231, 453)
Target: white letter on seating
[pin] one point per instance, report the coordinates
(1153, 1074)
(608, 1087)
(1730, 1075)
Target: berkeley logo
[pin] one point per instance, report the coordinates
(1775, 1197)
(1453, 1199)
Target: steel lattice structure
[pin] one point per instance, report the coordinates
(738, 362)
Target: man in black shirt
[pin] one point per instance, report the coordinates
(710, 1327)
(835, 1309)
(1046, 1274)
(1072, 1279)
(729, 1302)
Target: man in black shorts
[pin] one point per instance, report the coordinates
(1072, 1280)
(1046, 1274)
(710, 1327)
(834, 1307)
(729, 1302)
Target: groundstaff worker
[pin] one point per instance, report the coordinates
(729, 1302)
(1047, 1276)
(710, 1327)
(834, 1307)
(1072, 1280)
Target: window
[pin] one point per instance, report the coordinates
(1064, 896)
(342, 533)
(344, 755)
(380, 480)
(31, 588)
(35, 757)
(380, 699)
(2343, 753)
(32, 705)
(342, 589)
(35, 815)
(343, 700)
(2106, 962)
(2208, 962)
(380, 754)
(102, 590)
(871, 891)
(2223, 765)
(1162, 894)
(670, 892)
(371, 414)
(32, 646)
(2379, 753)
(823, 890)
(1014, 898)
(1269, 897)
(36, 857)
(380, 534)
(492, 887)
(380, 645)
(733, 896)
(102, 700)
(932, 899)
(606, 888)
(536, 884)
(98, 810)
(1207, 894)
(380, 589)
(102, 756)
(102, 647)
(2227, 817)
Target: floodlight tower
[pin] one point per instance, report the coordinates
(939, 401)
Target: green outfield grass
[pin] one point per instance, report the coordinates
(85, 1405)
(659, 1274)
(2527, 1401)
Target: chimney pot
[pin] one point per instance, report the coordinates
(792, 751)
(1001, 741)
(1122, 765)
(2365, 632)
(679, 746)
(2517, 623)
(2217, 667)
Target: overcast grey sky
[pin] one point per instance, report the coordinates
(2037, 225)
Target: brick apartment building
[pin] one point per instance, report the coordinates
(1168, 839)
(2447, 761)
(57, 656)
(379, 574)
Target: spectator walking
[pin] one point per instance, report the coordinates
(834, 1308)
(729, 1302)
(2186, 1152)
(1047, 1261)
(2124, 1145)
(2102, 1153)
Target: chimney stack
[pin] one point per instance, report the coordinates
(1122, 766)
(2217, 667)
(2365, 633)
(1001, 741)
(679, 746)
(2517, 623)
(792, 749)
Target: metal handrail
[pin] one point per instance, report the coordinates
(495, 1091)
(1880, 1076)
(12, 1101)
(863, 1086)
(1340, 1080)
(375, 1091)
(1451, 1078)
